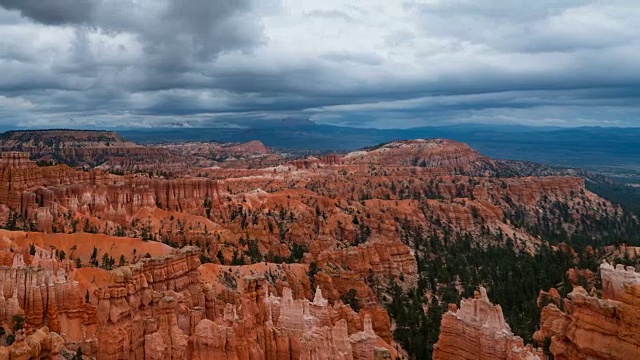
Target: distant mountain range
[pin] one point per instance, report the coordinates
(590, 147)
(612, 151)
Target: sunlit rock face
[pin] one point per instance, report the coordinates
(478, 331)
(159, 308)
(593, 328)
(46, 194)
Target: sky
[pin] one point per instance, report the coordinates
(380, 64)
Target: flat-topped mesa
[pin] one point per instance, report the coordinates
(478, 331)
(433, 153)
(48, 140)
(107, 150)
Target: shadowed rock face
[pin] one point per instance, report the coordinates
(478, 331)
(592, 328)
(49, 141)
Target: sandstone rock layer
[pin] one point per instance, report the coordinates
(478, 331)
(593, 328)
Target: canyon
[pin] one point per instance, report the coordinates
(160, 308)
(114, 250)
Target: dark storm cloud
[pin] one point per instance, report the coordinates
(196, 27)
(163, 44)
(53, 12)
(200, 29)
(393, 63)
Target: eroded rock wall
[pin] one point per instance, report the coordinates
(478, 331)
(159, 308)
(593, 328)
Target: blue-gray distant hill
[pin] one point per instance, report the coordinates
(583, 146)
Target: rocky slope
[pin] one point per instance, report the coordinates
(47, 194)
(160, 308)
(592, 328)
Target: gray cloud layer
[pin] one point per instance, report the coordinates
(359, 63)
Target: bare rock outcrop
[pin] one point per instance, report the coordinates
(159, 308)
(381, 258)
(41, 344)
(478, 331)
(593, 328)
(319, 331)
(149, 308)
(92, 193)
(43, 298)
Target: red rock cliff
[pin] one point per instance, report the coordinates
(478, 331)
(160, 308)
(598, 329)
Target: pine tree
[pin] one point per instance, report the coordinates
(94, 257)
